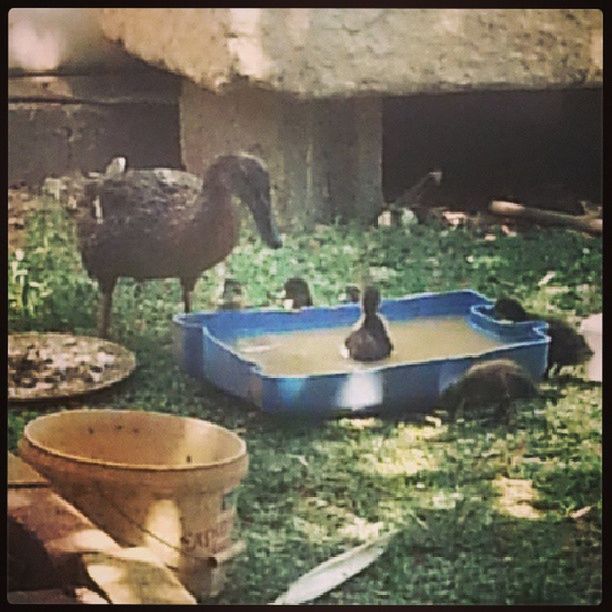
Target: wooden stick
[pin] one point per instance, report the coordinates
(548, 217)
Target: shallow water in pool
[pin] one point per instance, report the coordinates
(320, 351)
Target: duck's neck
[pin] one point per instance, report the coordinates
(217, 208)
(369, 317)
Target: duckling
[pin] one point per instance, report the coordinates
(232, 296)
(497, 382)
(297, 294)
(370, 342)
(509, 309)
(351, 295)
(567, 347)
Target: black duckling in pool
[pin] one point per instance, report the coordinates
(370, 342)
(567, 347)
(297, 294)
(496, 382)
(164, 223)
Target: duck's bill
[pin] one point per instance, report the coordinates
(270, 234)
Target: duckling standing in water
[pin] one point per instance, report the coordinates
(297, 293)
(567, 346)
(492, 383)
(370, 342)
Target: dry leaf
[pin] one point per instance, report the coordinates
(580, 513)
(546, 278)
(435, 421)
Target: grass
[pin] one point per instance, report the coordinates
(483, 510)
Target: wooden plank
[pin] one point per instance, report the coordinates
(20, 474)
(121, 88)
(80, 553)
(58, 525)
(547, 217)
(135, 576)
(47, 596)
(55, 596)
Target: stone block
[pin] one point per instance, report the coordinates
(338, 52)
(324, 156)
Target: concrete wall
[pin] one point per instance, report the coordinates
(304, 88)
(95, 100)
(343, 52)
(53, 139)
(323, 155)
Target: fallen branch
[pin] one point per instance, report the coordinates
(548, 217)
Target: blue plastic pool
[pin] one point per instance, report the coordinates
(203, 346)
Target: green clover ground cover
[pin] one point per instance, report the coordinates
(484, 511)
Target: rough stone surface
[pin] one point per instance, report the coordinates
(48, 39)
(323, 155)
(343, 52)
(192, 42)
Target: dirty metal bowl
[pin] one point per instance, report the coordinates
(147, 478)
(67, 347)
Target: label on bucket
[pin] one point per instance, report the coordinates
(210, 540)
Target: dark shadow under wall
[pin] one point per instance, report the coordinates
(495, 144)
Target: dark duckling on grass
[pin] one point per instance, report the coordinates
(351, 295)
(567, 347)
(297, 294)
(165, 223)
(492, 383)
(370, 342)
(232, 296)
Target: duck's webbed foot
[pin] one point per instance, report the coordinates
(505, 412)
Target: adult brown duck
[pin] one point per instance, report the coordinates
(370, 342)
(166, 223)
